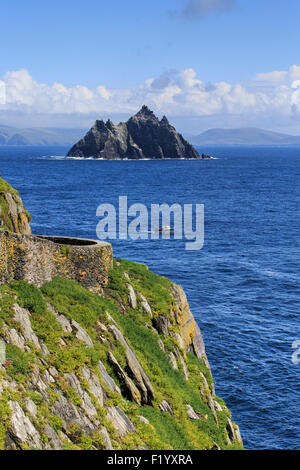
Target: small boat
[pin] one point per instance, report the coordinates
(164, 228)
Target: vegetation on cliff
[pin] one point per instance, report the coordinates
(13, 216)
(118, 370)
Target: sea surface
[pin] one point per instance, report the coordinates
(243, 286)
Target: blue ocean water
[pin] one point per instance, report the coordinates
(243, 286)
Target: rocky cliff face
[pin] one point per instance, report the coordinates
(13, 215)
(123, 367)
(124, 370)
(142, 136)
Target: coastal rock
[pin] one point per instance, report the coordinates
(165, 407)
(133, 392)
(162, 323)
(142, 380)
(143, 136)
(192, 413)
(13, 215)
(69, 413)
(86, 402)
(132, 296)
(22, 430)
(109, 381)
(106, 439)
(22, 316)
(94, 385)
(120, 421)
(145, 305)
(81, 334)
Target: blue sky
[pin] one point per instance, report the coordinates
(121, 45)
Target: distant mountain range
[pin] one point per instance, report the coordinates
(67, 137)
(39, 136)
(243, 136)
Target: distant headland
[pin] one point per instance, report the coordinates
(143, 136)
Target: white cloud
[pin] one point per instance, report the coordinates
(270, 96)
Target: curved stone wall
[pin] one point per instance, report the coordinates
(38, 259)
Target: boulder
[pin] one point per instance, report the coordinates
(165, 407)
(109, 381)
(21, 428)
(131, 389)
(119, 420)
(162, 323)
(132, 296)
(192, 413)
(145, 305)
(138, 373)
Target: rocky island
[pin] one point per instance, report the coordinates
(143, 136)
(98, 353)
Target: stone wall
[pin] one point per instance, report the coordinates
(39, 259)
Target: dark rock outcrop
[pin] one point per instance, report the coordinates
(142, 136)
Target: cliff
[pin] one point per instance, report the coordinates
(142, 136)
(13, 215)
(118, 365)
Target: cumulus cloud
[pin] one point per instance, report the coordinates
(269, 96)
(198, 8)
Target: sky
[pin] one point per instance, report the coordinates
(203, 63)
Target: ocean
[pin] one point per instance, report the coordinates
(243, 286)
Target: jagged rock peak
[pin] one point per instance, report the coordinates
(145, 111)
(143, 136)
(164, 121)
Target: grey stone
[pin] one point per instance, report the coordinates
(120, 421)
(23, 317)
(13, 337)
(81, 334)
(142, 380)
(212, 407)
(64, 322)
(94, 385)
(132, 296)
(21, 428)
(132, 390)
(106, 439)
(230, 430)
(192, 413)
(54, 441)
(218, 407)
(165, 407)
(111, 384)
(31, 407)
(173, 361)
(70, 414)
(143, 420)
(86, 402)
(145, 305)
(182, 362)
(215, 446)
(162, 323)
